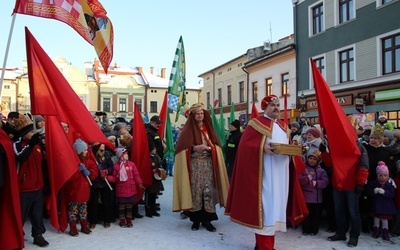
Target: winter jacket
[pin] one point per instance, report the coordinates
(77, 189)
(30, 172)
(125, 188)
(313, 194)
(231, 147)
(105, 164)
(156, 185)
(382, 203)
(376, 154)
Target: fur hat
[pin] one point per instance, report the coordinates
(388, 134)
(267, 100)
(295, 124)
(382, 168)
(80, 146)
(315, 132)
(22, 124)
(317, 154)
(236, 124)
(119, 152)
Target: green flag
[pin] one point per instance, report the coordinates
(221, 131)
(177, 82)
(170, 149)
(232, 116)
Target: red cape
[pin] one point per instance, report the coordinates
(11, 236)
(244, 204)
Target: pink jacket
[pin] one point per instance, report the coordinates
(125, 188)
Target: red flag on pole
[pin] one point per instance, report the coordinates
(163, 117)
(254, 111)
(140, 153)
(87, 17)
(11, 235)
(344, 151)
(53, 97)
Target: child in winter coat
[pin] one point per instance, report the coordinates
(382, 190)
(77, 190)
(313, 181)
(151, 192)
(126, 176)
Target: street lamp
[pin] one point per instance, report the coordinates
(302, 101)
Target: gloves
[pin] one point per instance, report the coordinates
(359, 189)
(322, 147)
(381, 191)
(103, 173)
(84, 170)
(376, 190)
(309, 177)
(82, 167)
(35, 140)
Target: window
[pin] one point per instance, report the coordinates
(317, 19)
(255, 91)
(386, 1)
(208, 99)
(268, 84)
(285, 84)
(241, 92)
(139, 104)
(219, 97)
(346, 62)
(122, 105)
(391, 54)
(229, 93)
(320, 63)
(346, 10)
(106, 104)
(153, 107)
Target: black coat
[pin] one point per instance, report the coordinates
(231, 146)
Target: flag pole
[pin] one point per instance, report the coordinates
(3, 70)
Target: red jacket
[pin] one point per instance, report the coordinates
(125, 188)
(77, 189)
(30, 174)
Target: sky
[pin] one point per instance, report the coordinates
(146, 33)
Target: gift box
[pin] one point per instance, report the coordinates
(287, 149)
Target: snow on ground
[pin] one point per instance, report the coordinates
(169, 231)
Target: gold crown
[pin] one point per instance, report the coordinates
(382, 114)
(317, 154)
(377, 131)
(196, 107)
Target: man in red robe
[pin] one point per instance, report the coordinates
(259, 188)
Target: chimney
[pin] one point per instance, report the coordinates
(115, 65)
(152, 70)
(140, 69)
(163, 73)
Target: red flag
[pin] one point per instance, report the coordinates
(140, 153)
(11, 235)
(344, 151)
(62, 164)
(51, 94)
(254, 111)
(88, 18)
(163, 116)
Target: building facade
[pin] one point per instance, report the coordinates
(356, 46)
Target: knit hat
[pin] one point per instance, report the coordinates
(317, 154)
(80, 146)
(38, 118)
(382, 168)
(396, 134)
(236, 124)
(295, 124)
(119, 152)
(388, 134)
(314, 131)
(22, 124)
(267, 100)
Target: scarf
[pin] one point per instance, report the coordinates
(122, 172)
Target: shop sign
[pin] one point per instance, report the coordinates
(342, 100)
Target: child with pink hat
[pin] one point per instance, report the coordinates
(382, 190)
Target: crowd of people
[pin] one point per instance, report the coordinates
(247, 176)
